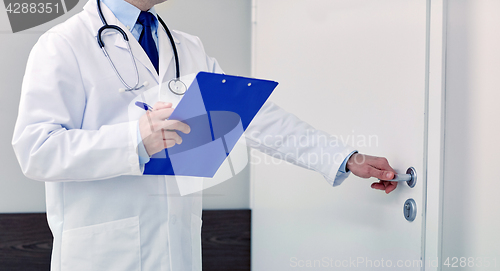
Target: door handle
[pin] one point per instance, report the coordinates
(410, 177)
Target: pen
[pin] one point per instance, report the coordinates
(144, 106)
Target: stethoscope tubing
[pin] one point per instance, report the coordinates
(174, 48)
(125, 37)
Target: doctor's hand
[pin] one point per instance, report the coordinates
(157, 132)
(366, 166)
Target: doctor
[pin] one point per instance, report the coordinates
(73, 132)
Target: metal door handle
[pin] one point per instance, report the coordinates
(410, 177)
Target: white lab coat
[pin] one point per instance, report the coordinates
(74, 133)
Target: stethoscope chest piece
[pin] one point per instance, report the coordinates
(177, 86)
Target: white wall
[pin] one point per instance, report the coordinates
(222, 25)
(471, 214)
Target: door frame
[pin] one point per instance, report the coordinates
(434, 125)
(434, 138)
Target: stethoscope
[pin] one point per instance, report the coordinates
(175, 85)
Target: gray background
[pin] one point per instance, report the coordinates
(224, 26)
(24, 18)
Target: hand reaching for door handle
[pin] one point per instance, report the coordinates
(366, 166)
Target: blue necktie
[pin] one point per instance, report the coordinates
(146, 40)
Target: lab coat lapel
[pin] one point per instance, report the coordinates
(166, 54)
(136, 48)
(95, 21)
(139, 53)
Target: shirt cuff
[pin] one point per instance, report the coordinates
(343, 166)
(343, 172)
(141, 150)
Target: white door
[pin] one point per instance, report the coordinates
(356, 69)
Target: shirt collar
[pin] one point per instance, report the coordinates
(125, 12)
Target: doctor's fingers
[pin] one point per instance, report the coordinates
(379, 168)
(169, 143)
(161, 113)
(161, 105)
(379, 162)
(175, 125)
(386, 186)
(380, 174)
(160, 140)
(171, 136)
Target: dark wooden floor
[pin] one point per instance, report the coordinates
(26, 241)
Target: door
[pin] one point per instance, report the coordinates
(356, 69)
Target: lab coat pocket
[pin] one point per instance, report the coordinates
(196, 242)
(108, 246)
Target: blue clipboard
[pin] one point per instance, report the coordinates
(218, 108)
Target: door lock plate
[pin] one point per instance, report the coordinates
(410, 210)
